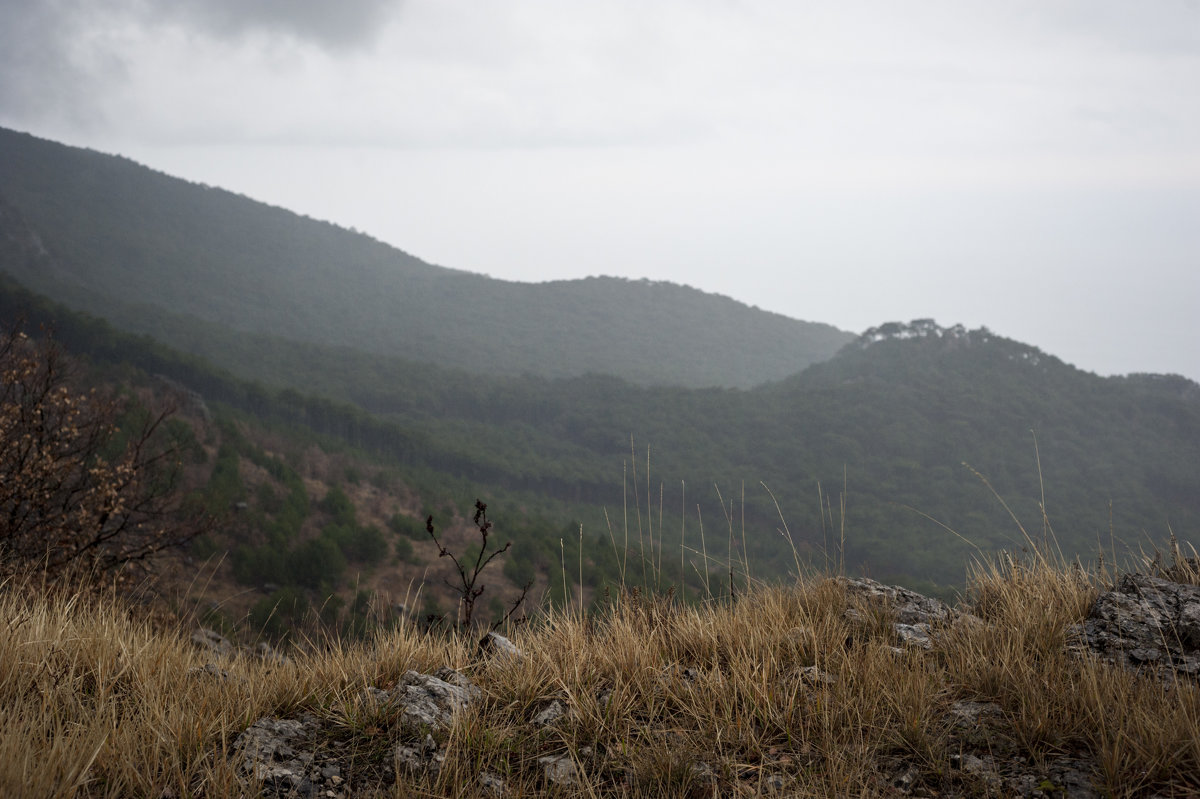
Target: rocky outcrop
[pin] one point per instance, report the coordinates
(427, 702)
(1144, 623)
(497, 645)
(915, 617)
(1147, 624)
(285, 757)
(906, 605)
(300, 757)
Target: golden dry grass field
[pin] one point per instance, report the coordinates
(795, 690)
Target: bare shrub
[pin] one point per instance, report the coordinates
(78, 495)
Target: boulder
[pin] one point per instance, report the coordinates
(915, 617)
(278, 754)
(293, 757)
(559, 771)
(496, 644)
(1146, 624)
(428, 702)
(908, 606)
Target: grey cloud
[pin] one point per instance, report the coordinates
(60, 58)
(336, 26)
(41, 75)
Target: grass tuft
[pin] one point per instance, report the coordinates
(799, 689)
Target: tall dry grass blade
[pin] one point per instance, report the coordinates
(1048, 534)
(948, 529)
(682, 540)
(785, 532)
(616, 555)
(637, 503)
(745, 550)
(1037, 552)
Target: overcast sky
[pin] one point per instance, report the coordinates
(1028, 165)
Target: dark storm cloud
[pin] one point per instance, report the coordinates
(39, 75)
(336, 26)
(59, 58)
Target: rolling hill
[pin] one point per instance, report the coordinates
(156, 254)
(604, 394)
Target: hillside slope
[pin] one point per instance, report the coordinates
(889, 422)
(123, 239)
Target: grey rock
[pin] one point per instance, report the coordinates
(428, 703)
(271, 751)
(212, 641)
(550, 714)
(423, 758)
(559, 771)
(992, 767)
(290, 757)
(449, 675)
(971, 715)
(917, 635)
(916, 617)
(497, 645)
(1146, 623)
(1061, 777)
(490, 784)
(908, 606)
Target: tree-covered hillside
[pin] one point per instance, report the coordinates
(554, 395)
(895, 423)
(159, 255)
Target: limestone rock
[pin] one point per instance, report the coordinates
(908, 606)
(423, 758)
(559, 771)
(490, 784)
(550, 713)
(495, 644)
(1146, 623)
(428, 702)
(274, 752)
(293, 757)
(917, 635)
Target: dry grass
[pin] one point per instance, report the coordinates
(715, 699)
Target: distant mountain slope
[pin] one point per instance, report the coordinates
(891, 420)
(120, 239)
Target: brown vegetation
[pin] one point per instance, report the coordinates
(799, 688)
(79, 495)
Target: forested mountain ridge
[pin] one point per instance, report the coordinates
(889, 421)
(132, 245)
(896, 422)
